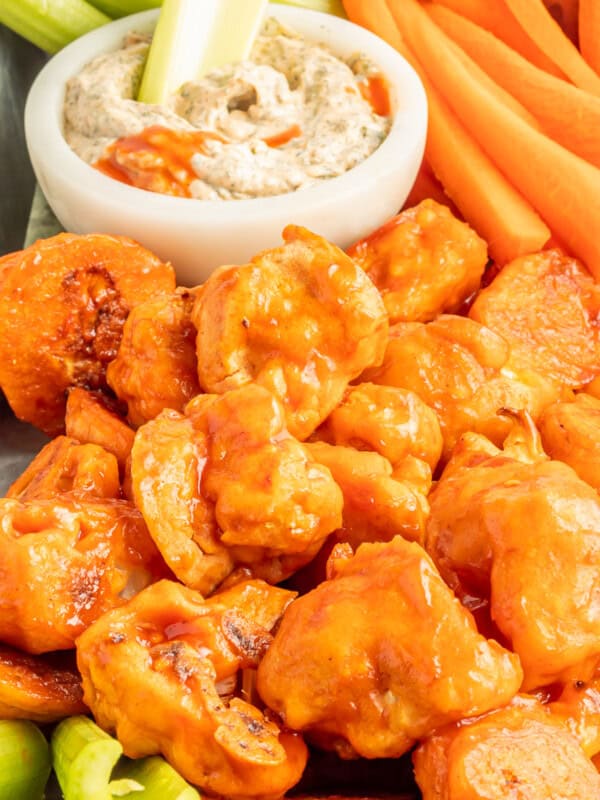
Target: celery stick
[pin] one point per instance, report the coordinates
(193, 37)
(121, 8)
(24, 761)
(88, 765)
(83, 757)
(158, 779)
(50, 24)
(327, 6)
(235, 29)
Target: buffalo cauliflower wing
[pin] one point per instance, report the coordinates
(228, 485)
(64, 562)
(571, 433)
(43, 688)
(377, 504)
(159, 672)
(388, 420)
(380, 655)
(155, 366)
(63, 304)
(424, 261)
(547, 307)
(520, 534)
(519, 752)
(91, 420)
(302, 320)
(64, 465)
(462, 370)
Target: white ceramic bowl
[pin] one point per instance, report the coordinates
(198, 235)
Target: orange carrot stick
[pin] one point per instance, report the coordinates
(567, 114)
(376, 17)
(364, 11)
(485, 198)
(501, 94)
(566, 13)
(563, 188)
(534, 18)
(589, 32)
(494, 16)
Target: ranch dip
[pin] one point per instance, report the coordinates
(291, 115)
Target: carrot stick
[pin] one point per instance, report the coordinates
(567, 114)
(485, 198)
(589, 32)
(563, 188)
(498, 91)
(534, 18)
(376, 17)
(482, 194)
(502, 95)
(566, 13)
(497, 19)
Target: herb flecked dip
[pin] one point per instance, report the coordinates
(291, 115)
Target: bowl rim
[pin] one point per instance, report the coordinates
(45, 101)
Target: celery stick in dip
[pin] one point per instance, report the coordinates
(192, 38)
(291, 115)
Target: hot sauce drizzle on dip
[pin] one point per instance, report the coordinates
(376, 92)
(293, 115)
(157, 159)
(160, 160)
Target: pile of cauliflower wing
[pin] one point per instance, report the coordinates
(343, 501)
